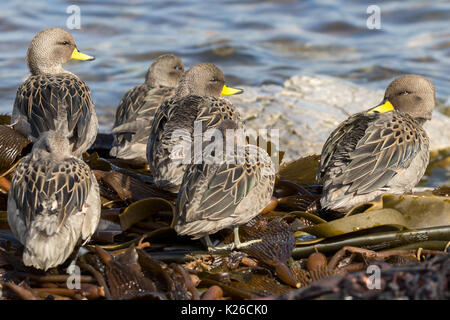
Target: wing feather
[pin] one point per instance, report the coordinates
(366, 151)
(41, 98)
(138, 108)
(224, 188)
(55, 191)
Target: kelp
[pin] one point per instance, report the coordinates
(130, 188)
(4, 220)
(275, 247)
(124, 276)
(402, 212)
(375, 241)
(301, 171)
(357, 222)
(12, 144)
(136, 254)
(142, 209)
(427, 280)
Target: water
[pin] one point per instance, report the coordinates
(253, 42)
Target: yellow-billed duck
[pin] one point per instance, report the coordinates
(197, 99)
(40, 97)
(53, 203)
(381, 150)
(138, 106)
(215, 195)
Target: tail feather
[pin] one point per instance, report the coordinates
(43, 251)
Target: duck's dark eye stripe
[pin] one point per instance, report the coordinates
(404, 93)
(64, 43)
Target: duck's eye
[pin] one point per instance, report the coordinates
(404, 93)
(177, 68)
(47, 148)
(64, 43)
(214, 79)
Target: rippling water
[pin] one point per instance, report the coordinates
(253, 42)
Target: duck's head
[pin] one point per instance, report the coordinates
(50, 49)
(52, 144)
(165, 71)
(411, 94)
(204, 79)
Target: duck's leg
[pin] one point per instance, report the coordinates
(212, 248)
(209, 243)
(237, 242)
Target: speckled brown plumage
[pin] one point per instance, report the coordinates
(371, 153)
(42, 98)
(223, 195)
(11, 145)
(53, 202)
(197, 98)
(138, 106)
(51, 95)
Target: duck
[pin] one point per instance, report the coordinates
(224, 193)
(53, 203)
(138, 106)
(381, 150)
(198, 102)
(38, 98)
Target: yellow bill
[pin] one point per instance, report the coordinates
(382, 108)
(227, 91)
(77, 55)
